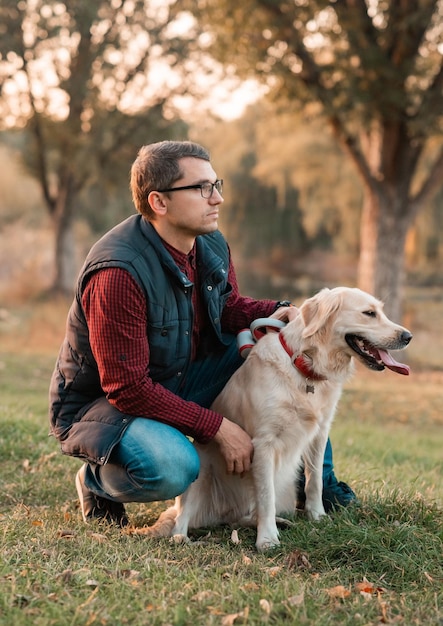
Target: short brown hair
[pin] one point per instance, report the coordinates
(157, 167)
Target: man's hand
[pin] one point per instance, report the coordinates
(286, 313)
(235, 446)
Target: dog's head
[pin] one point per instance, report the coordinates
(355, 323)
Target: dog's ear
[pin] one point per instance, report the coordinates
(317, 311)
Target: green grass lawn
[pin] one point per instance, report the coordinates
(378, 563)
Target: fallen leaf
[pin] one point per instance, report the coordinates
(273, 571)
(265, 606)
(98, 537)
(202, 595)
(246, 560)
(252, 586)
(66, 534)
(338, 592)
(229, 620)
(37, 522)
(366, 587)
(298, 560)
(66, 575)
(234, 537)
(384, 616)
(128, 573)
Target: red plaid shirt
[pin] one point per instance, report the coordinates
(115, 310)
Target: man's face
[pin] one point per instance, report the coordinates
(187, 212)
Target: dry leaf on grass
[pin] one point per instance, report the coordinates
(338, 592)
(369, 589)
(297, 560)
(229, 620)
(202, 595)
(273, 571)
(265, 606)
(98, 537)
(234, 537)
(128, 573)
(63, 533)
(66, 575)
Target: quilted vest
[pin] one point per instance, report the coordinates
(135, 246)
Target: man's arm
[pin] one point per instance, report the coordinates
(115, 310)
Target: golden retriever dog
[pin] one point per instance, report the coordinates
(285, 396)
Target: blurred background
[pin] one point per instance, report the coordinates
(325, 120)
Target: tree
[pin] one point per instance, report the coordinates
(89, 82)
(374, 70)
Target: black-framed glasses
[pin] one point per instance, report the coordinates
(206, 189)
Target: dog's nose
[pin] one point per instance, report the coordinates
(405, 337)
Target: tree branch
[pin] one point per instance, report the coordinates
(406, 27)
(42, 164)
(430, 185)
(349, 144)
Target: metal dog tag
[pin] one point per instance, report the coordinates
(309, 388)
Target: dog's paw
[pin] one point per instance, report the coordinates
(267, 544)
(180, 539)
(314, 514)
(267, 540)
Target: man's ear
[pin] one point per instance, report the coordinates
(157, 203)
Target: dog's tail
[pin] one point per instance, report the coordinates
(162, 527)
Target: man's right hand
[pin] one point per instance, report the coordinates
(235, 446)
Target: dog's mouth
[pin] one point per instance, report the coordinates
(375, 358)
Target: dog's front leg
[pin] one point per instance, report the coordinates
(313, 461)
(263, 470)
(183, 509)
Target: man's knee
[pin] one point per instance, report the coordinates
(169, 475)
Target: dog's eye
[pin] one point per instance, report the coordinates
(370, 313)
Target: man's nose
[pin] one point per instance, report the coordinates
(216, 197)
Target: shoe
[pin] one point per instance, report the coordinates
(98, 508)
(335, 494)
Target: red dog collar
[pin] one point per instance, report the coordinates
(299, 362)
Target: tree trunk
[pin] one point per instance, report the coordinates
(63, 222)
(383, 232)
(65, 263)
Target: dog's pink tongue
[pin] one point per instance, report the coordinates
(392, 364)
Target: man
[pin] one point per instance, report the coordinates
(150, 342)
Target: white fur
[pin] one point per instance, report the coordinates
(267, 396)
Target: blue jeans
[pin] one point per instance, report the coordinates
(154, 461)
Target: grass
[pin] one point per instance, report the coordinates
(380, 562)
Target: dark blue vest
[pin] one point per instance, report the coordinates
(135, 246)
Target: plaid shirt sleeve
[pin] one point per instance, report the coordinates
(115, 310)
